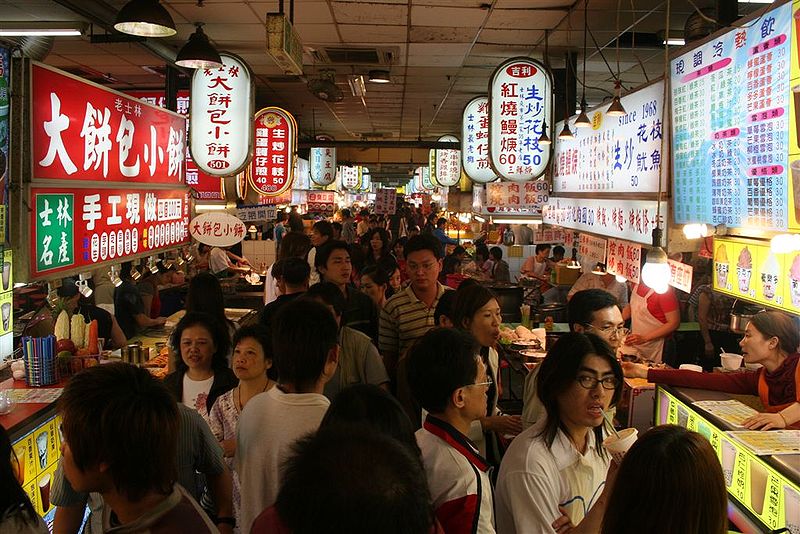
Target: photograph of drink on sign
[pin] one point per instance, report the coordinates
(475, 148)
(82, 131)
(520, 101)
(221, 117)
(617, 154)
(633, 220)
(272, 168)
(731, 162)
(73, 228)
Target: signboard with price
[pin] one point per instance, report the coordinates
(509, 198)
(272, 167)
(624, 259)
(732, 106)
(617, 154)
(73, 228)
(475, 148)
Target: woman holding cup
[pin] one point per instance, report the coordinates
(553, 476)
(770, 339)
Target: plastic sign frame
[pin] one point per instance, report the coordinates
(208, 116)
(321, 159)
(448, 163)
(266, 119)
(511, 155)
(475, 129)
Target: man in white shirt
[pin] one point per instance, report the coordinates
(607, 282)
(305, 354)
(220, 262)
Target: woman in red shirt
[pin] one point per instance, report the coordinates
(654, 317)
(771, 339)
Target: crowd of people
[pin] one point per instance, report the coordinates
(376, 409)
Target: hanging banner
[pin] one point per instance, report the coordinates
(432, 168)
(322, 202)
(424, 182)
(322, 165)
(302, 178)
(217, 229)
(475, 148)
(520, 97)
(271, 171)
(365, 185)
(624, 259)
(680, 275)
(732, 100)
(82, 131)
(250, 214)
(448, 163)
(617, 154)
(385, 201)
(633, 220)
(512, 198)
(73, 228)
(221, 117)
(350, 177)
(591, 250)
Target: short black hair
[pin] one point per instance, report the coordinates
(329, 293)
(469, 299)
(377, 274)
(323, 228)
(496, 253)
(219, 334)
(325, 250)
(459, 250)
(303, 333)
(346, 213)
(423, 242)
(584, 303)
(294, 271)
(444, 307)
(439, 363)
(558, 250)
(255, 331)
(353, 479)
(440, 221)
(542, 246)
(483, 250)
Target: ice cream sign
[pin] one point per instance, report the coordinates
(520, 97)
(748, 269)
(221, 117)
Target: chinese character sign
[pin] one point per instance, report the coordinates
(422, 177)
(632, 220)
(4, 128)
(385, 201)
(731, 102)
(591, 250)
(366, 181)
(350, 177)
(221, 118)
(322, 163)
(516, 198)
(432, 168)
(448, 163)
(680, 275)
(276, 144)
(322, 202)
(81, 131)
(80, 227)
(302, 179)
(617, 154)
(520, 97)
(624, 259)
(475, 148)
(217, 229)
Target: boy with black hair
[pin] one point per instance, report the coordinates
(333, 263)
(359, 361)
(120, 431)
(272, 422)
(449, 380)
(500, 269)
(292, 276)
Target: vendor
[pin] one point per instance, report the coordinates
(538, 266)
(771, 339)
(606, 281)
(129, 307)
(654, 317)
(222, 262)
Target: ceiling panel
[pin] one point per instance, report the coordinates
(358, 13)
(372, 33)
(524, 19)
(456, 17)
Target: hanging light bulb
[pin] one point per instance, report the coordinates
(198, 53)
(583, 119)
(599, 268)
(544, 139)
(145, 18)
(656, 272)
(566, 133)
(619, 278)
(616, 109)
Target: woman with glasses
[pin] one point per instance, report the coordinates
(553, 476)
(477, 311)
(771, 339)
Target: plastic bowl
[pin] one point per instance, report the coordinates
(691, 367)
(731, 361)
(753, 366)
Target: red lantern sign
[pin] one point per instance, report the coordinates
(270, 172)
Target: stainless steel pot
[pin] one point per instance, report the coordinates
(739, 322)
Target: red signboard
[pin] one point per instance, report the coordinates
(72, 228)
(275, 146)
(82, 131)
(321, 202)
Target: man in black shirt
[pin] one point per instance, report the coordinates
(129, 307)
(291, 275)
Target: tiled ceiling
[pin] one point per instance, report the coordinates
(441, 52)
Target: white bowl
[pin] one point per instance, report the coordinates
(691, 367)
(731, 361)
(753, 366)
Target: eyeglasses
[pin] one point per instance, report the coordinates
(488, 382)
(609, 331)
(414, 267)
(588, 382)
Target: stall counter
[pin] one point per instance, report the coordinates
(764, 490)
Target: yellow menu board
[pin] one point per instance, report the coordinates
(37, 454)
(794, 122)
(748, 269)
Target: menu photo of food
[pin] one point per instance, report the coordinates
(792, 290)
(722, 268)
(772, 281)
(744, 272)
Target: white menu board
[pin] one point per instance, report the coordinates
(516, 198)
(617, 154)
(475, 148)
(624, 259)
(730, 102)
(633, 220)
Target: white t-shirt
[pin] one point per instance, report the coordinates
(270, 424)
(195, 394)
(217, 260)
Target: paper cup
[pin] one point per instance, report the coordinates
(44, 492)
(758, 486)
(618, 446)
(728, 461)
(791, 505)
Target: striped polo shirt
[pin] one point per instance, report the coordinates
(404, 319)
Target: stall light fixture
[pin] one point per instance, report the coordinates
(566, 133)
(379, 76)
(507, 220)
(189, 256)
(211, 207)
(179, 261)
(574, 263)
(152, 264)
(616, 109)
(695, 231)
(656, 273)
(145, 18)
(544, 139)
(42, 29)
(785, 243)
(479, 219)
(674, 41)
(198, 53)
(599, 268)
(619, 278)
(583, 119)
(135, 274)
(113, 275)
(52, 292)
(83, 285)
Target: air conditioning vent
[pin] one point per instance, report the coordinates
(341, 55)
